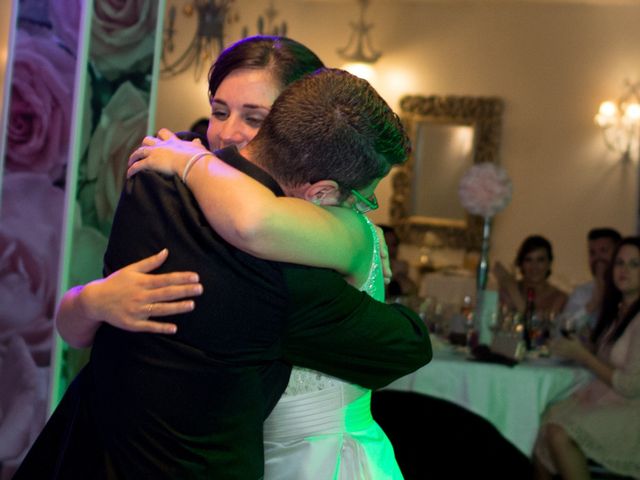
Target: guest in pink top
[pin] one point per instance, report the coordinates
(601, 421)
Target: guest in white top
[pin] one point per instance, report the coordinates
(584, 303)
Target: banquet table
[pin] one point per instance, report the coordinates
(511, 398)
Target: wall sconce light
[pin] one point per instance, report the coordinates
(359, 48)
(620, 122)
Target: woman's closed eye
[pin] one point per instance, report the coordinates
(254, 121)
(220, 114)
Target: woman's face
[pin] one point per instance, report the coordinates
(239, 107)
(626, 271)
(535, 266)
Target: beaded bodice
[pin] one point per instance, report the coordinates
(303, 380)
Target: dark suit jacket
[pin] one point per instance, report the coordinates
(192, 405)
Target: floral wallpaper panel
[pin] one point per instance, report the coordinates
(114, 121)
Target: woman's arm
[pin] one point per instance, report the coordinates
(126, 299)
(559, 301)
(508, 286)
(573, 349)
(249, 216)
(626, 379)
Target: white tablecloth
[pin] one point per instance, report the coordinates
(511, 398)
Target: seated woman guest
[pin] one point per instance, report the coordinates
(601, 421)
(534, 262)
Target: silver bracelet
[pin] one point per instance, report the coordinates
(192, 161)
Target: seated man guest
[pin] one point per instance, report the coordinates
(584, 303)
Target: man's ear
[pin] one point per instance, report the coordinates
(323, 192)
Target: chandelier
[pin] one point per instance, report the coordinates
(359, 48)
(207, 41)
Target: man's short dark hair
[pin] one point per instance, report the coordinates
(611, 233)
(330, 125)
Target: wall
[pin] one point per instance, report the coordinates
(553, 63)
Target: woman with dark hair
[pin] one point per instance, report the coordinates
(258, 68)
(601, 421)
(322, 427)
(534, 259)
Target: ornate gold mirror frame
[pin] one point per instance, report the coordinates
(484, 115)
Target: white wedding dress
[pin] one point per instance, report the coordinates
(322, 429)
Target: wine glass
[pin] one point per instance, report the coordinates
(566, 325)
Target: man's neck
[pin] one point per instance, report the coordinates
(247, 153)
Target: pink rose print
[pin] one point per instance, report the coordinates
(89, 246)
(121, 128)
(65, 19)
(25, 291)
(122, 36)
(40, 108)
(29, 245)
(22, 403)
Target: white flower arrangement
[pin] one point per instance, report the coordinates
(485, 189)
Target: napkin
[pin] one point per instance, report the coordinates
(482, 353)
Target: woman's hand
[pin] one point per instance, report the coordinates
(503, 276)
(509, 291)
(573, 349)
(384, 256)
(165, 153)
(129, 297)
(569, 347)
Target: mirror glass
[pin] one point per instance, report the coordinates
(443, 153)
(448, 135)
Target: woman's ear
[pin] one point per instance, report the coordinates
(323, 192)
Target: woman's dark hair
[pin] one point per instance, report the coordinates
(531, 243)
(286, 59)
(611, 302)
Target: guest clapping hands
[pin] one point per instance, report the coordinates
(534, 262)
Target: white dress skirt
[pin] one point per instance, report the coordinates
(322, 429)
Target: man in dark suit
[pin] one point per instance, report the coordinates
(192, 405)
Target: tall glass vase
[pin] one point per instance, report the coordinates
(486, 300)
(483, 265)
